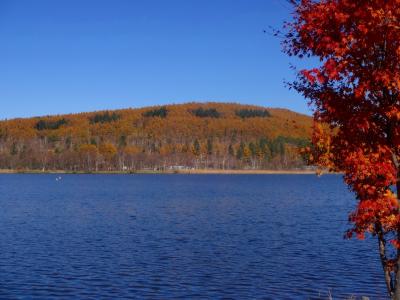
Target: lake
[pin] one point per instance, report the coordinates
(182, 237)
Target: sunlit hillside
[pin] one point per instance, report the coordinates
(193, 135)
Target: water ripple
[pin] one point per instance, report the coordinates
(181, 237)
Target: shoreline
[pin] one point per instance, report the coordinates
(188, 172)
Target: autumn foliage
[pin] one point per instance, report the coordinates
(355, 93)
(193, 135)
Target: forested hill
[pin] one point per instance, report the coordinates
(193, 135)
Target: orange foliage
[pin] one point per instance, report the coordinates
(135, 138)
(355, 93)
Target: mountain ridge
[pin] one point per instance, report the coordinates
(153, 106)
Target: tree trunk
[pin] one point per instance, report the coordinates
(396, 295)
(383, 257)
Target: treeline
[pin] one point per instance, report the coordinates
(211, 135)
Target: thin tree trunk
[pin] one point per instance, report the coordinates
(396, 295)
(383, 257)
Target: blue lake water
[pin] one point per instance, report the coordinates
(181, 237)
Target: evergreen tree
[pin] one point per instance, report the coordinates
(204, 113)
(122, 141)
(209, 146)
(161, 112)
(231, 152)
(14, 149)
(240, 151)
(196, 147)
(253, 149)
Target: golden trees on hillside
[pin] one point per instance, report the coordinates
(207, 135)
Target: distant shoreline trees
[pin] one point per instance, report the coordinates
(156, 138)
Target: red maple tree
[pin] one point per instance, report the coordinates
(355, 93)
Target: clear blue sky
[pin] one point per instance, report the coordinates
(62, 56)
